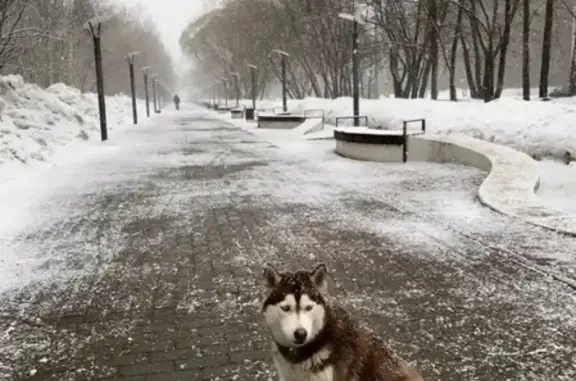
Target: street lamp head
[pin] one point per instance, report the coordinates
(235, 74)
(94, 24)
(252, 66)
(145, 69)
(281, 52)
(130, 56)
(351, 17)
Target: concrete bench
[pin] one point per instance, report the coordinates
(223, 109)
(237, 113)
(509, 188)
(372, 144)
(280, 121)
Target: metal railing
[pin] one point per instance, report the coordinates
(352, 117)
(405, 135)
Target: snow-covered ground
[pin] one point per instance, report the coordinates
(558, 185)
(537, 128)
(46, 126)
(542, 129)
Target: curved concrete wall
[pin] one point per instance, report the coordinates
(509, 187)
(369, 152)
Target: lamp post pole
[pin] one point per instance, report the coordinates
(145, 70)
(253, 69)
(94, 27)
(237, 87)
(284, 56)
(355, 68)
(130, 57)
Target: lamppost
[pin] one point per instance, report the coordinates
(253, 69)
(237, 86)
(160, 98)
(154, 93)
(224, 81)
(145, 71)
(94, 27)
(130, 59)
(213, 95)
(165, 90)
(355, 77)
(284, 91)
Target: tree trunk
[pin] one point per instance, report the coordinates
(394, 72)
(488, 83)
(572, 79)
(433, 49)
(468, 69)
(509, 16)
(546, 48)
(526, 51)
(474, 24)
(424, 80)
(454, 51)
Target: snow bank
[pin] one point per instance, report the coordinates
(537, 128)
(35, 122)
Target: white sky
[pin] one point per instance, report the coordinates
(171, 17)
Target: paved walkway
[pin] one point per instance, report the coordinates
(160, 243)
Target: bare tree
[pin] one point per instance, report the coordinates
(526, 50)
(475, 38)
(53, 47)
(571, 8)
(11, 12)
(454, 49)
(546, 49)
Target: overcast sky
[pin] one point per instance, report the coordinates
(171, 16)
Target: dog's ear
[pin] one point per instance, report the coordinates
(270, 278)
(319, 277)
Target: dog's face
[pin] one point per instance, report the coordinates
(294, 305)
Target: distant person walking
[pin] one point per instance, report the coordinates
(177, 101)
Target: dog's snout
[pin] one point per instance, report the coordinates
(300, 335)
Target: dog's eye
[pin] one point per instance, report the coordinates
(285, 308)
(308, 308)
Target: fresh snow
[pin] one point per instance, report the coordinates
(46, 126)
(541, 129)
(538, 128)
(41, 129)
(558, 185)
(435, 217)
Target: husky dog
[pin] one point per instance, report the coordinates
(314, 340)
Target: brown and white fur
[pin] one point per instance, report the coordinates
(314, 340)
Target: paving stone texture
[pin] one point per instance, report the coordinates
(167, 235)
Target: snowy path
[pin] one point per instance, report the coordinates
(141, 262)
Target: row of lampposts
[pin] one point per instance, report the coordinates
(254, 91)
(94, 27)
(355, 74)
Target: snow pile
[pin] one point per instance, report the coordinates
(537, 128)
(35, 122)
